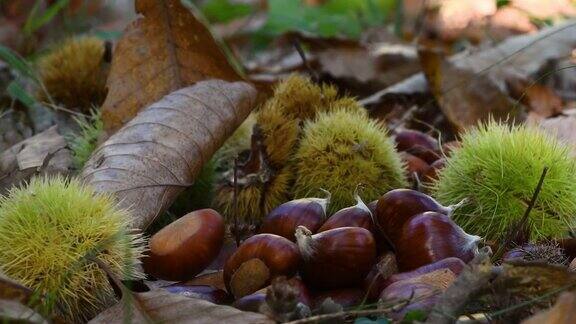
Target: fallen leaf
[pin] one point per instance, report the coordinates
(524, 56)
(154, 157)
(11, 290)
(14, 312)
(563, 312)
(163, 51)
(161, 306)
(545, 9)
(539, 98)
(466, 98)
(45, 153)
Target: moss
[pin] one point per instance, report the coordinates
(74, 73)
(50, 230)
(497, 169)
(341, 149)
(85, 141)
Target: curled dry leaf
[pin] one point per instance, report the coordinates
(154, 157)
(161, 306)
(465, 97)
(165, 50)
(525, 56)
(45, 153)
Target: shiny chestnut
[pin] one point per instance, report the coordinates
(184, 248)
(358, 215)
(408, 138)
(336, 258)
(283, 220)
(431, 237)
(397, 206)
(257, 261)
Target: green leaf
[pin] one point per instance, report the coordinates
(414, 316)
(35, 21)
(16, 62)
(16, 92)
(224, 11)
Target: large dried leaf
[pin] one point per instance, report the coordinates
(154, 157)
(44, 153)
(464, 97)
(160, 306)
(165, 50)
(524, 56)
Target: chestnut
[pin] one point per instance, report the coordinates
(429, 237)
(337, 258)
(433, 172)
(453, 264)
(414, 164)
(184, 248)
(251, 303)
(283, 220)
(377, 278)
(257, 261)
(397, 206)
(358, 215)
(209, 293)
(422, 290)
(409, 138)
(449, 147)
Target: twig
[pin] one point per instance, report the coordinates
(317, 318)
(235, 202)
(517, 228)
(302, 54)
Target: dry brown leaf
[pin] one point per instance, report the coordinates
(464, 97)
(11, 290)
(563, 312)
(163, 51)
(539, 98)
(45, 153)
(160, 306)
(154, 157)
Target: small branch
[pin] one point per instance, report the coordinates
(516, 229)
(318, 318)
(302, 54)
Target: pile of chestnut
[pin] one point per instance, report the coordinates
(423, 156)
(385, 250)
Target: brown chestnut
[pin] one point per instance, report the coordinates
(257, 261)
(184, 248)
(433, 172)
(453, 264)
(376, 280)
(358, 215)
(251, 303)
(397, 206)
(414, 164)
(336, 258)
(431, 237)
(283, 220)
(409, 138)
(423, 291)
(209, 293)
